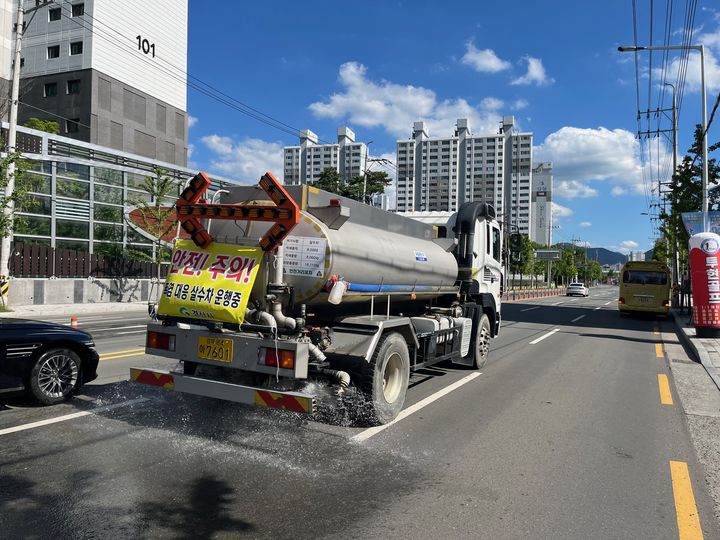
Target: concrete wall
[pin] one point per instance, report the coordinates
(29, 291)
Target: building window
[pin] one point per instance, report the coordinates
(54, 14)
(53, 51)
(73, 86)
(50, 89)
(72, 126)
(78, 10)
(76, 48)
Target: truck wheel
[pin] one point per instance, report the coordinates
(385, 378)
(55, 375)
(482, 343)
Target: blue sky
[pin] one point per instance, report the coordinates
(378, 66)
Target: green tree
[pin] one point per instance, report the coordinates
(686, 193)
(376, 182)
(158, 217)
(329, 180)
(20, 198)
(43, 125)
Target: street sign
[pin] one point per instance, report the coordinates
(547, 254)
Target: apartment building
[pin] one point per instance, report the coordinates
(541, 203)
(304, 163)
(110, 73)
(441, 174)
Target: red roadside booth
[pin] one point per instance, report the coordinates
(704, 256)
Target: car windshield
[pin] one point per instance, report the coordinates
(577, 284)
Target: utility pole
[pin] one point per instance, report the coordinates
(12, 141)
(676, 251)
(9, 208)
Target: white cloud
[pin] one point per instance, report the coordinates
(192, 120)
(535, 73)
(587, 154)
(245, 160)
(585, 224)
(626, 246)
(492, 103)
(395, 106)
(617, 190)
(520, 104)
(560, 211)
(484, 60)
(569, 189)
(693, 71)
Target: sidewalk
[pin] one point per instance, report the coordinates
(707, 350)
(62, 310)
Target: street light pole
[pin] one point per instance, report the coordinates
(367, 154)
(701, 49)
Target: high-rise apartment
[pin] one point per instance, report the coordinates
(304, 163)
(441, 174)
(111, 73)
(541, 203)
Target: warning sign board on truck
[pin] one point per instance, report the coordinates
(212, 284)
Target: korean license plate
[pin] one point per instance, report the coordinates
(218, 349)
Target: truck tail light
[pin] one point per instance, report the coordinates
(286, 359)
(621, 300)
(158, 340)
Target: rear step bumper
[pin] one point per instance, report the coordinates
(249, 395)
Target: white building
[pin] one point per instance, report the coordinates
(441, 174)
(305, 163)
(541, 203)
(111, 73)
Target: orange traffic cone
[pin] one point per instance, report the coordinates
(73, 322)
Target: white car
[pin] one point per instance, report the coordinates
(577, 288)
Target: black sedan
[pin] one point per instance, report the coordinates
(51, 361)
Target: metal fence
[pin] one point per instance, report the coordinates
(35, 261)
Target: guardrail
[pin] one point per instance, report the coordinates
(529, 294)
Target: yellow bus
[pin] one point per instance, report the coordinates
(644, 287)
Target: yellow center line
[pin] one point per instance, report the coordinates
(688, 520)
(664, 385)
(106, 358)
(122, 354)
(111, 353)
(659, 353)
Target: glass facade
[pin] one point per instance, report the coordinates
(80, 193)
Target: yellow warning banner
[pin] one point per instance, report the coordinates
(212, 283)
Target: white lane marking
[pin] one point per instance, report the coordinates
(606, 303)
(599, 307)
(576, 319)
(67, 417)
(550, 333)
(530, 308)
(556, 304)
(131, 332)
(366, 434)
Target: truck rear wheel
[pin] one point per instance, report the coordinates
(385, 378)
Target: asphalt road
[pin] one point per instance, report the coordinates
(562, 435)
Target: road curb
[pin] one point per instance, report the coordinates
(687, 335)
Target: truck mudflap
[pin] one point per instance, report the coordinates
(248, 395)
